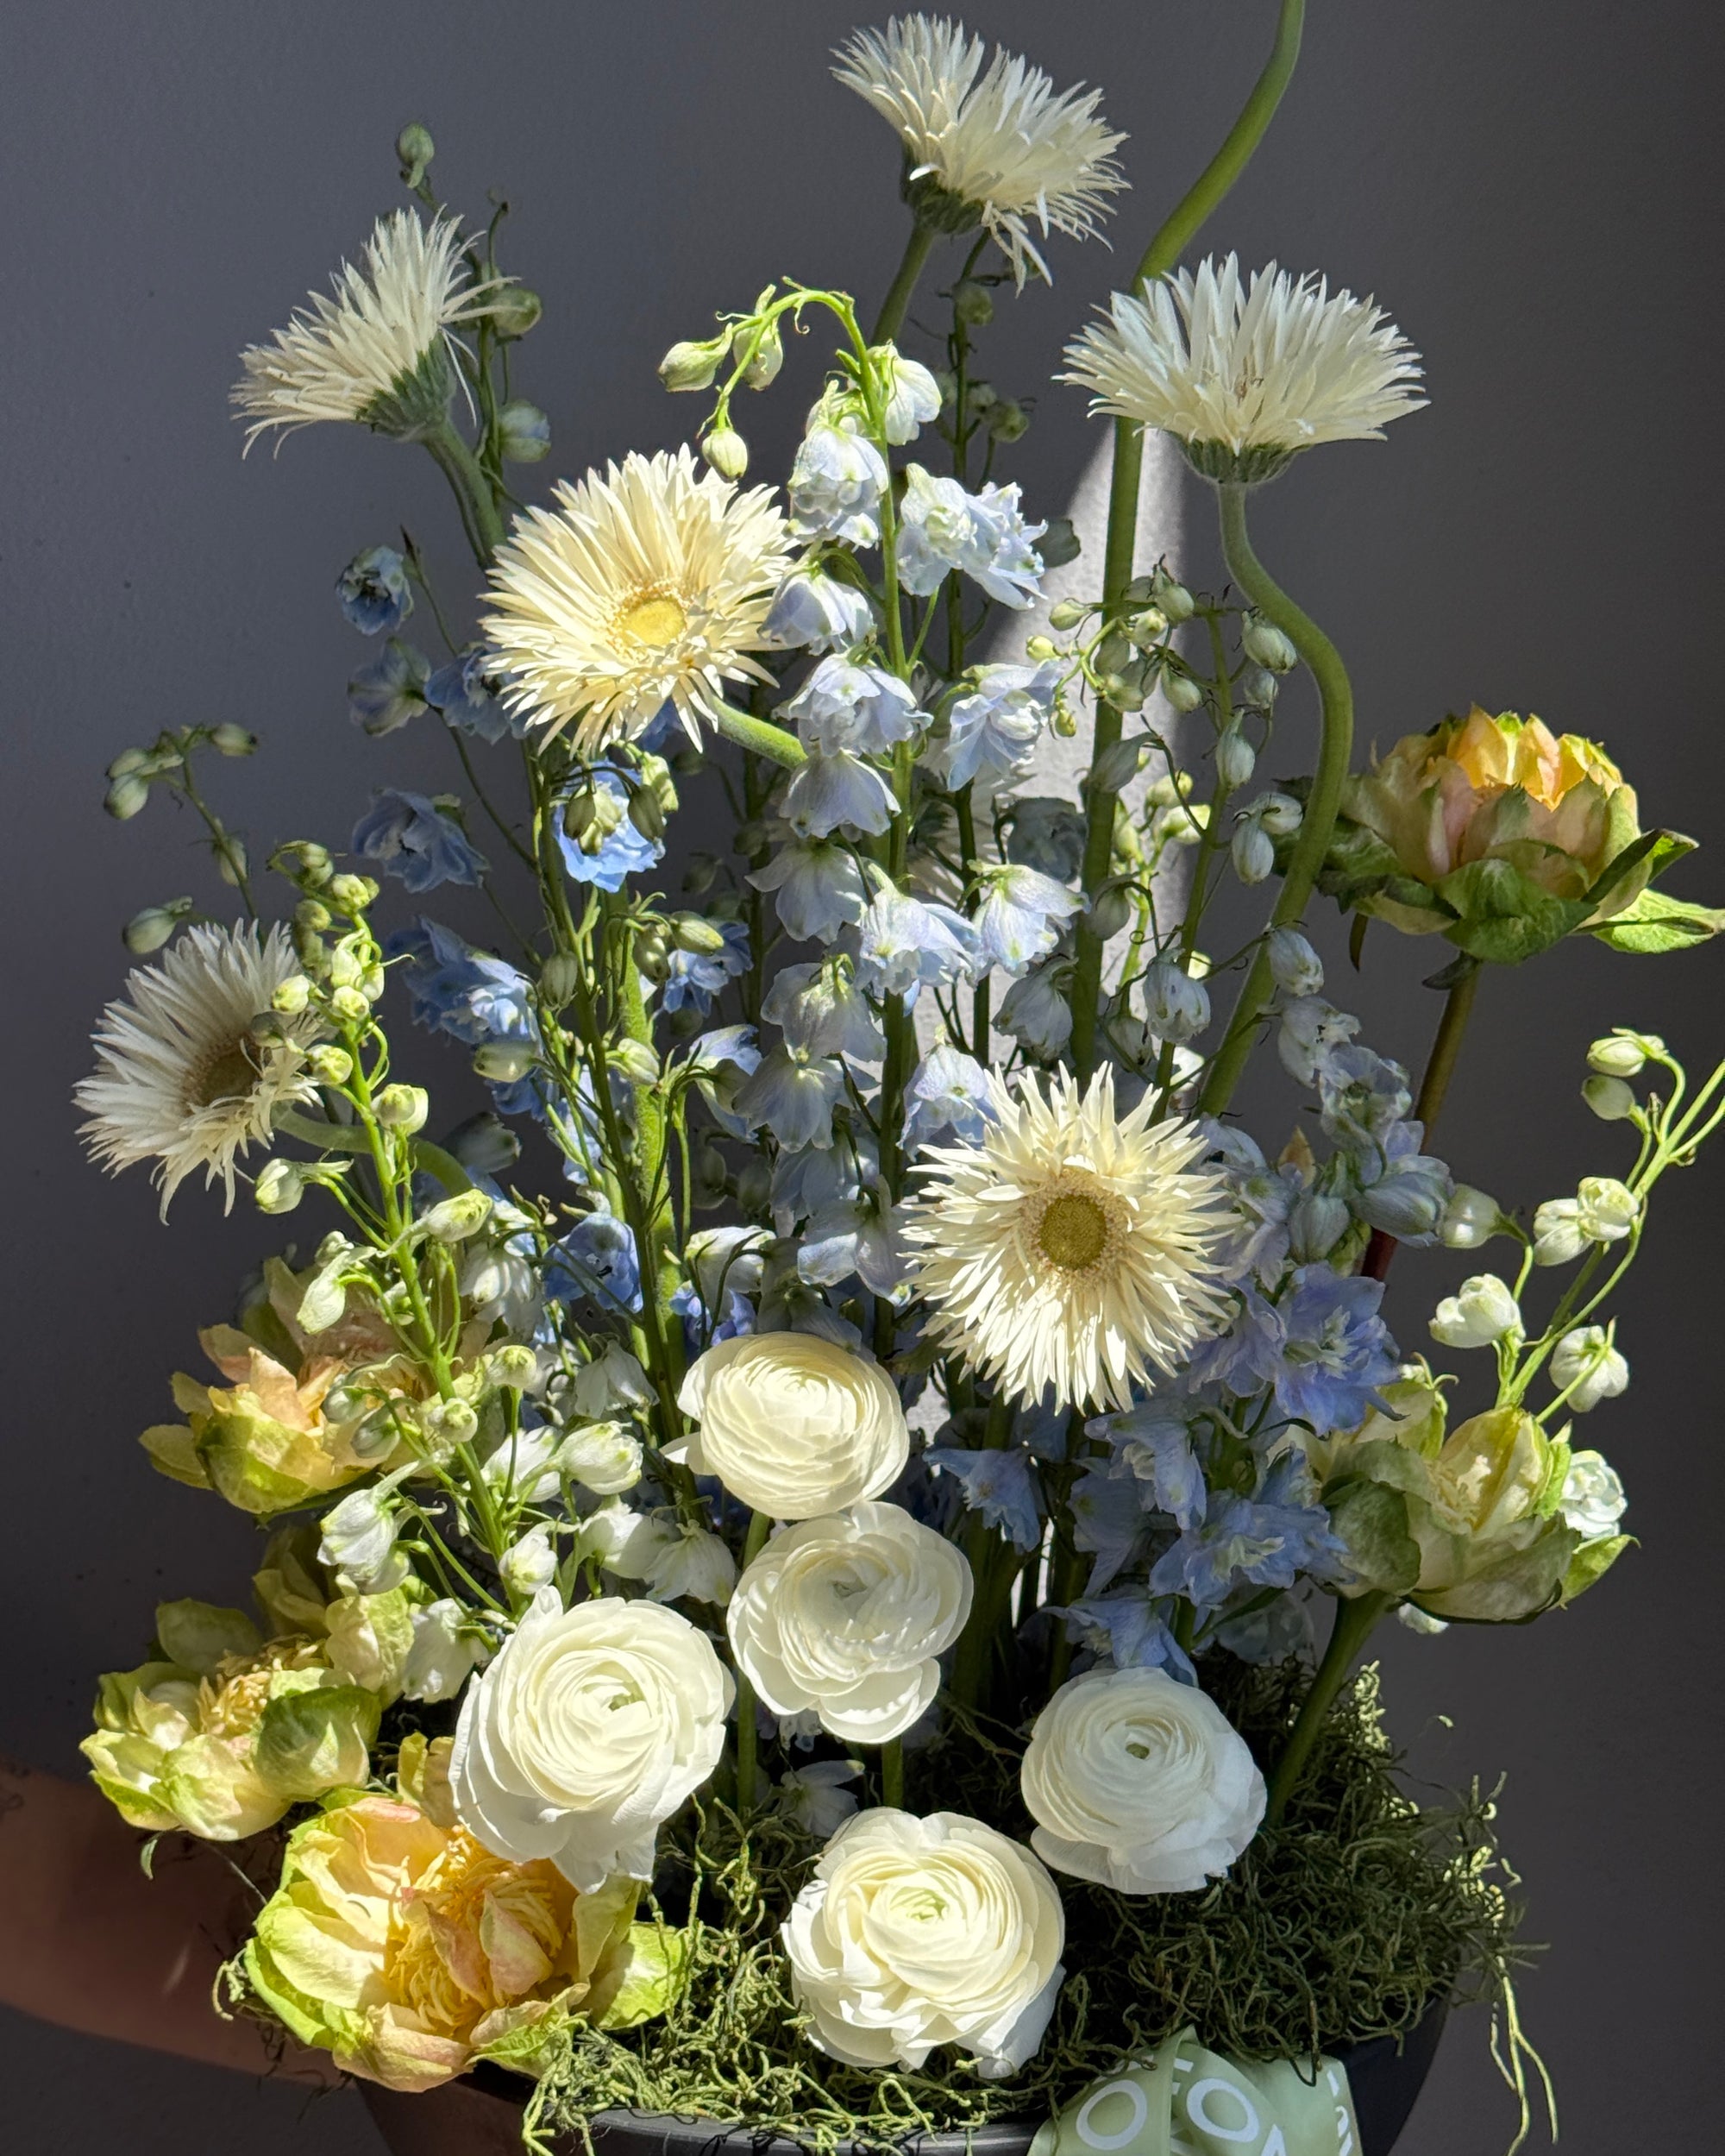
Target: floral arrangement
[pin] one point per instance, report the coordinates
(799, 1535)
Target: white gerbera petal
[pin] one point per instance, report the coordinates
(1246, 374)
(648, 583)
(178, 1077)
(1003, 150)
(1067, 1249)
(377, 351)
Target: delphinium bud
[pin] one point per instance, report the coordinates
(147, 931)
(727, 452)
(1181, 691)
(693, 365)
(414, 151)
(402, 1108)
(1263, 641)
(1174, 599)
(1612, 1099)
(972, 303)
(524, 430)
(1472, 1218)
(515, 310)
(1067, 613)
(503, 1062)
(1623, 1055)
(1236, 759)
(228, 739)
(279, 1187)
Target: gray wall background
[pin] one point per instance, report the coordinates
(1533, 191)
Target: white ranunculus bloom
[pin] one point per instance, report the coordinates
(846, 1615)
(793, 1424)
(1593, 1502)
(916, 1933)
(1139, 1783)
(591, 1727)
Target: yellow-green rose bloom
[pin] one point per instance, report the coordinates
(400, 1945)
(1493, 831)
(221, 1733)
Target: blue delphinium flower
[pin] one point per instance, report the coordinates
(904, 944)
(948, 1091)
(793, 1095)
(416, 841)
(1125, 1630)
(1362, 1097)
(817, 613)
(1257, 1540)
(819, 889)
(853, 1236)
(597, 1258)
(820, 1010)
(1001, 1484)
(724, 1058)
(1310, 1032)
(696, 977)
(737, 1317)
(1021, 915)
(1108, 1519)
(835, 485)
(996, 724)
(621, 852)
(1155, 1448)
(1263, 1198)
(461, 693)
(830, 791)
(844, 705)
(391, 690)
(942, 528)
(453, 989)
(810, 1182)
(1047, 834)
(375, 593)
(1400, 1190)
(1322, 1347)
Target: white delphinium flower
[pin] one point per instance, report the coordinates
(1481, 1311)
(1070, 1249)
(999, 152)
(1243, 376)
(815, 1796)
(794, 1425)
(603, 1457)
(528, 1564)
(179, 1077)
(590, 1727)
(1593, 1502)
(448, 1646)
(846, 1615)
(377, 352)
(1586, 1365)
(916, 1933)
(1139, 1783)
(649, 582)
(912, 393)
(675, 1561)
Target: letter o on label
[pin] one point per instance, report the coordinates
(1141, 2117)
(1198, 2110)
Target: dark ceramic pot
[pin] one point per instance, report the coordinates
(468, 2119)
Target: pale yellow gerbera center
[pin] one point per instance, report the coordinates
(654, 618)
(1073, 1226)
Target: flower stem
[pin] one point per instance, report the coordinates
(1335, 751)
(760, 1526)
(1355, 1620)
(1164, 251)
(891, 318)
(480, 516)
(760, 736)
(1439, 1069)
(893, 1774)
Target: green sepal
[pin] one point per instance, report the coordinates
(312, 1741)
(1521, 1586)
(1654, 923)
(1502, 915)
(1592, 1561)
(1371, 1518)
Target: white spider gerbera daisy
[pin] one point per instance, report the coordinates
(1245, 375)
(1070, 1250)
(179, 1077)
(999, 152)
(377, 352)
(649, 582)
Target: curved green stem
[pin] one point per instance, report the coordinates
(1355, 1621)
(917, 247)
(481, 518)
(1178, 232)
(1335, 751)
(760, 736)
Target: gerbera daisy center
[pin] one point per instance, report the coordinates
(1073, 1232)
(651, 618)
(229, 1074)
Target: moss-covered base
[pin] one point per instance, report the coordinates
(1343, 1923)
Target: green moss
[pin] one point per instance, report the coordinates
(1344, 1923)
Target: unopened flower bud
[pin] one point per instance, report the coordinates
(693, 365)
(147, 931)
(312, 916)
(1236, 759)
(1041, 647)
(454, 1219)
(127, 762)
(754, 1185)
(727, 452)
(972, 303)
(402, 1107)
(1558, 1236)
(125, 797)
(306, 861)
(330, 1065)
(1586, 1365)
(646, 813)
(1621, 1055)
(1181, 691)
(414, 151)
(1481, 1311)
(1174, 600)
(1110, 912)
(1470, 1219)
(1147, 628)
(515, 310)
(1609, 1208)
(291, 996)
(1257, 688)
(636, 1062)
(691, 932)
(1125, 692)
(1610, 1098)
(1316, 1225)
(503, 1062)
(765, 359)
(448, 1423)
(228, 739)
(349, 1006)
(1254, 856)
(1295, 966)
(1263, 641)
(515, 1366)
(530, 1565)
(1067, 613)
(559, 976)
(1008, 421)
(524, 430)
(1176, 1007)
(279, 1187)
(352, 895)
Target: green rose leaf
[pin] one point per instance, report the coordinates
(1655, 923)
(647, 1976)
